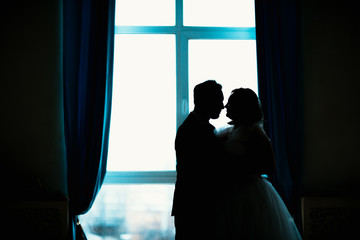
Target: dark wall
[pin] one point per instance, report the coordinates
(330, 63)
(32, 135)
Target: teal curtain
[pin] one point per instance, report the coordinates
(88, 40)
(281, 92)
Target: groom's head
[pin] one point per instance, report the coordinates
(208, 99)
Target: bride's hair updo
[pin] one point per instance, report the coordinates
(246, 106)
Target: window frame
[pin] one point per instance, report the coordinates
(182, 36)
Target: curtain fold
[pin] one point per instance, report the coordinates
(88, 40)
(280, 90)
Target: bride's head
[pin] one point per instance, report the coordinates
(243, 107)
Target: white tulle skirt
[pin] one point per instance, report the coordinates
(255, 211)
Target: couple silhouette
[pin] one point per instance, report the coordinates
(220, 192)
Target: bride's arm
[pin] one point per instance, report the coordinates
(261, 154)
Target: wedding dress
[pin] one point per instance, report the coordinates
(252, 209)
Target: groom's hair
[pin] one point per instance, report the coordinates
(205, 92)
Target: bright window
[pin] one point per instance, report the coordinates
(143, 121)
(145, 13)
(163, 48)
(128, 211)
(215, 13)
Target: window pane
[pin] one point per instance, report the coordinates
(224, 13)
(141, 212)
(143, 118)
(145, 12)
(232, 63)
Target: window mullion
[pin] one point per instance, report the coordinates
(219, 33)
(179, 13)
(140, 177)
(182, 78)
(181, 67)
(145, 29)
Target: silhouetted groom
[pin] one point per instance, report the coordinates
(198, 152)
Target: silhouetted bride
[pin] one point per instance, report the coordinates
(252, 209)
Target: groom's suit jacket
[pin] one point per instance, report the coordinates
(198, 153)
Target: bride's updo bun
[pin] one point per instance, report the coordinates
(244, 107)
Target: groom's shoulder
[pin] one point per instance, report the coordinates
(190, 119)
(191, 126)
